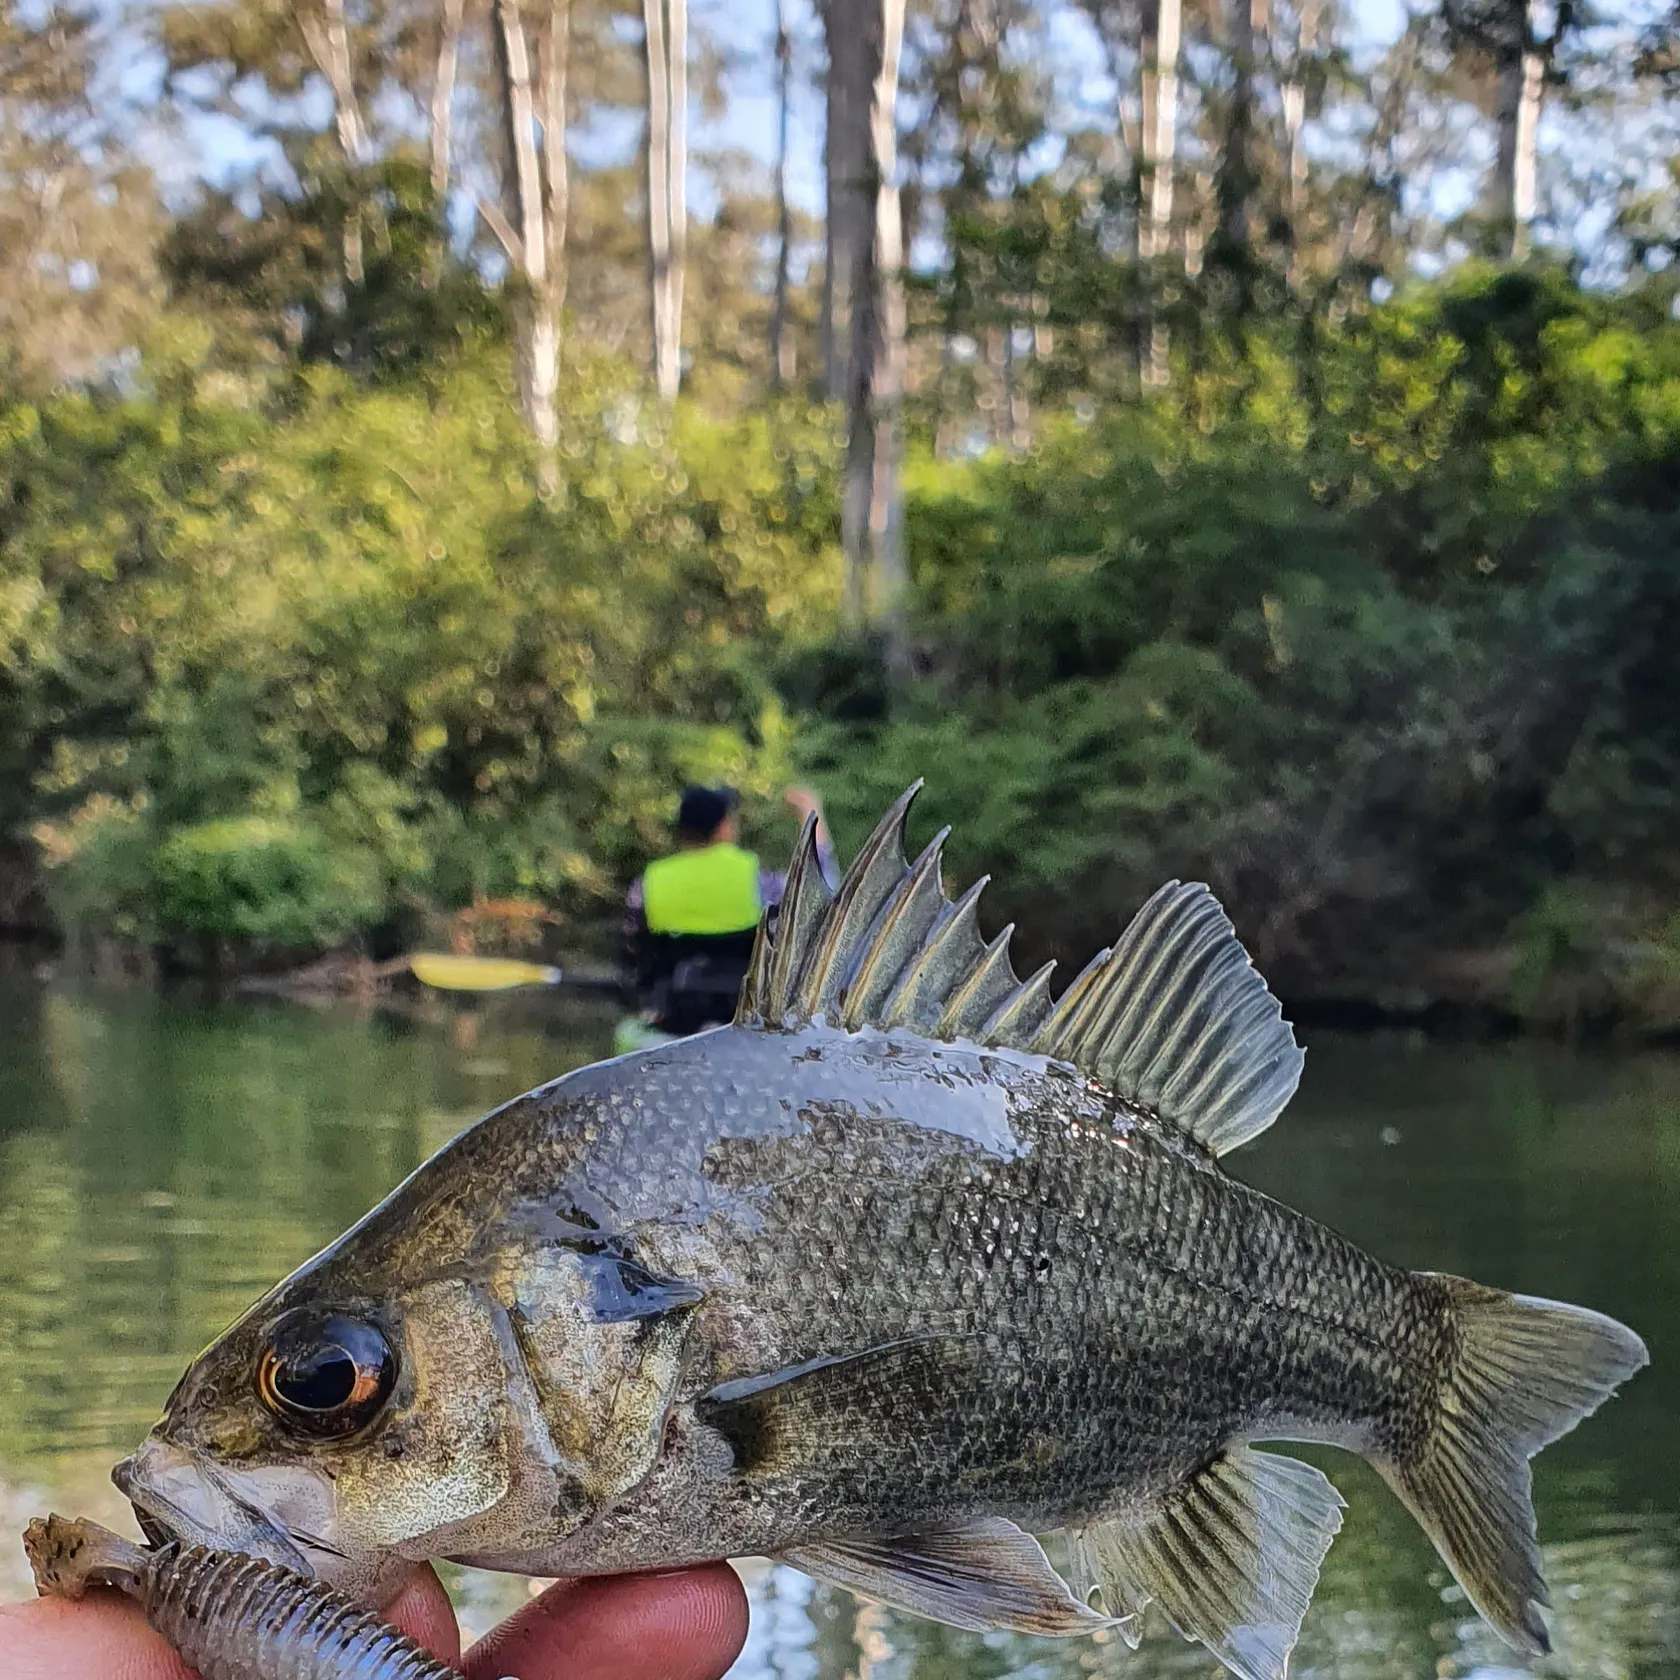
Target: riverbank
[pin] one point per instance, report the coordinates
(1461, 997)
(1375, 633)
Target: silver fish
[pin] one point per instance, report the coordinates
(911, 1263)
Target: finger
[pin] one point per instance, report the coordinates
(52, 1639)
(690, 1625)
(422, 1610)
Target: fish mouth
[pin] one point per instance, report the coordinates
(178, 1496)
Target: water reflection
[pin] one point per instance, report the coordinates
(162, 1163)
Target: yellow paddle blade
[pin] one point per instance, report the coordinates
(479, 974)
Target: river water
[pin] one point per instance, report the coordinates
(163, 1161)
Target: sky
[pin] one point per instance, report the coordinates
(223, 151)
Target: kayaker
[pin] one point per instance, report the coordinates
(691, 917)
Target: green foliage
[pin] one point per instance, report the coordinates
(332, 658)
(1376, 633)
(265, 881)
(276, 276)
(1380, 642)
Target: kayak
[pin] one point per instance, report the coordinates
(637, 1032)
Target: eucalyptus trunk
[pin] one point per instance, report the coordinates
(886, 505)
(443, 93)
(554, 59)
(1294, 130)
(328, 40)
(781, 340)
(531, 225)
(1522, 85)
(666, 36)
(1162, 36)
(867, 233)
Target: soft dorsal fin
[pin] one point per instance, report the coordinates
(1173, 1017)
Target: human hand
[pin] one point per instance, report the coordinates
(687, 1625)
(802, 802)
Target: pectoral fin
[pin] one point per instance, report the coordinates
(857, 1410)
(1232, 1557)
(986, 1574)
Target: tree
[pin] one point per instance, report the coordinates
(219, 47)
(78, 214)
(1237, 179)
(536, 188)
(1310, 20)
(1507, 39)
(1163, 21)
(864, 318)
(443, 93)
(1523, 57)
(666, 36)
(781, 340)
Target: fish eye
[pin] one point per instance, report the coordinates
(326, 1374)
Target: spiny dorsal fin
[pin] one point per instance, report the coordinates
(843, 933)
(776, 961)
(1173, 1017)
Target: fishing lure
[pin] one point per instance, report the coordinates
(230, 1616)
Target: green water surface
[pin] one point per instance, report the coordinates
(162, 1161)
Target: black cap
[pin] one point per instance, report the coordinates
(703, 808)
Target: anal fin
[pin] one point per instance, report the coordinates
(1232, 1557)
(982, 1575)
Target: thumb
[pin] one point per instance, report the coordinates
(688, 1625)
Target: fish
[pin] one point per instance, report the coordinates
(912, 1268)
(230, 1617)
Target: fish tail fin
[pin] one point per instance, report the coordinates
(1520, 1372)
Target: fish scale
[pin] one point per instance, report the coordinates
(908, 1264)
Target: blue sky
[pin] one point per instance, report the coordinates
(222, 150)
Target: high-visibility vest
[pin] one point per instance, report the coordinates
(711, 889)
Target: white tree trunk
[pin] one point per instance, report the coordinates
(666, 35)
(658, 177)
(781, 341)
(1294, 130)
(520, 115)
(886, 503)
(443, 93)
(524, 233)
(1522, 85)
(554, 68)
(871, 508)
(677, 172)
(1160, 162)
(328, 40)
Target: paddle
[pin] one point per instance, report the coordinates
(479, 974)
(448, 973)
